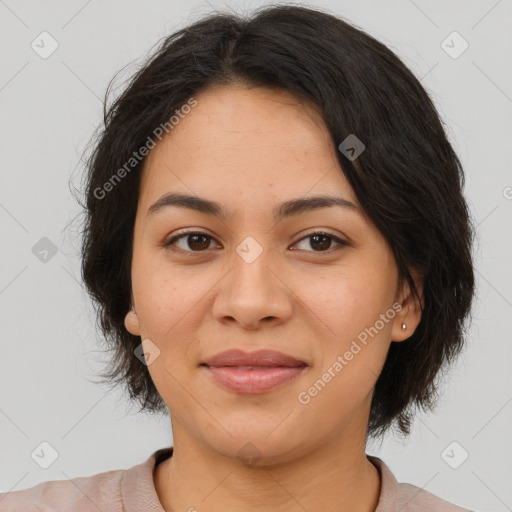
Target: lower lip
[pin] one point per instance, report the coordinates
(253, 381)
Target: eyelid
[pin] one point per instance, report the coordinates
(319, 231)
(306, 234)
(184, 233)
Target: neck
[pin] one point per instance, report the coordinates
(335, 476)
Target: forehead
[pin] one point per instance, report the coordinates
(245, 143)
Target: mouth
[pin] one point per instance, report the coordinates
(259, 358)
(253, 380)
(253, 373)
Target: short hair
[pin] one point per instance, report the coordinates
(408, 179)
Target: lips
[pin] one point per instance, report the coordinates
(255, 372)
(258, 359)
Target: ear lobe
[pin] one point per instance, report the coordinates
(410, 314)
(131, 322)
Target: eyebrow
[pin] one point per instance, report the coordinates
(281, 211)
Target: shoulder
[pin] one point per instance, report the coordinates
(404, 497)
(412, 499)
(110, 491)
(84, 494)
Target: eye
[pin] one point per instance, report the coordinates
(321, 240)
(196, 240)
(199, 242)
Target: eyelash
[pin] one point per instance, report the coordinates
(184, 234)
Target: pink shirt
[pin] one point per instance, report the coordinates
(133, 490)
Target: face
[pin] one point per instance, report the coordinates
(306, 283)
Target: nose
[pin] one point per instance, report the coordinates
(253, 294)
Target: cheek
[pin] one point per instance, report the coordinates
(171, 304)
(345, 301)
(169, 311)
(350, 303)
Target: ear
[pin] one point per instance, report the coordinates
(131, 322)
(410, 313)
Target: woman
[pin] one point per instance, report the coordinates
(280, 252)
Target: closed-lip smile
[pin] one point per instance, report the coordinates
(254, 372)
(263, 358)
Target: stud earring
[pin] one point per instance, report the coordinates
(404, 327)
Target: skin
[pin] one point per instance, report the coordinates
(250, 149)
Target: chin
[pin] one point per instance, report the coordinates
(259, 444)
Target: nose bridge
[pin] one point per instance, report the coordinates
(252, 292)
(250, 265)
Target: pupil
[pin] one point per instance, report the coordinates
(323, 246)
(198, 246)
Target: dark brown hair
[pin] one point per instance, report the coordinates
(408, 179)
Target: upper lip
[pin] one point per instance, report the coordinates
(236, 357)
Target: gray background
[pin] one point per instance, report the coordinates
(50, 355)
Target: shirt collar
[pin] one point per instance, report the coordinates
(388, 486)
(138, 487)
(139, 494)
